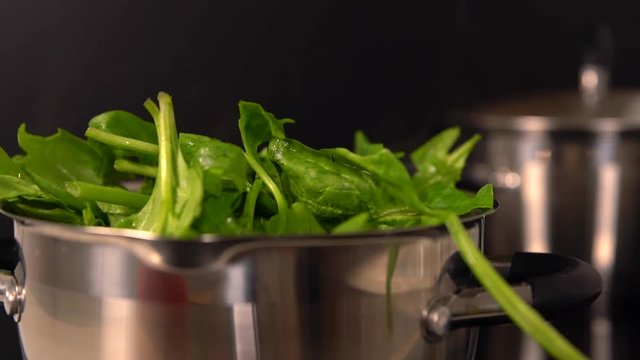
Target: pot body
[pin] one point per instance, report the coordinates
(566, 173)
(567, 191)
(92, 295)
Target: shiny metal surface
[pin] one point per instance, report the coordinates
(92, 293)
(565, 166)
(11, 295)
(577, 185)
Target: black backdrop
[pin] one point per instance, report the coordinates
(392, 68)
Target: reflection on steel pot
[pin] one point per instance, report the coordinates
(564, 167)
(101, 293)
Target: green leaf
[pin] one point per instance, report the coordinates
(357, 223)
(223, 164)
(7, 166)
(126, 124)
(437, 147)
(459, 202)
(113, 209)
(44, 209)
(394, 184)
(332, 190)
(92, 215)
(124, 135)
(363, 147)
(218, 215)
(256, 128)
(437, 164)
(12, 187)
(56, 190)
(61, 157)
(300, 221)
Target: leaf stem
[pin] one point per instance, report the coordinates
(122, 142)
(391, 268)
(131, 167)
(106, 194)
(250, 204)
(281, 201)
(521, 313)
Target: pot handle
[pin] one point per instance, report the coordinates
(551, 283)
(11, 293)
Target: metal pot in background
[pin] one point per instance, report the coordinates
(565, 166)
(102, 293)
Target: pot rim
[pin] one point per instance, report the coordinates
(211, 253)
(141, 235)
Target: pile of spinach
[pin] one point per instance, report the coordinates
(189, 184)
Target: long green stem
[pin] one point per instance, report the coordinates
(111, 195)
(281, 201)
(523, 315)
(391, 268)
(122, 142)
(250, 204)
(131, 167)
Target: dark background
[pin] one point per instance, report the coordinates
(395, 69)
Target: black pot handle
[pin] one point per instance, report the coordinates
(9, 254)
(11, 294)
(551, 283)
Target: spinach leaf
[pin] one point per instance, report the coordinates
(364, 147)
(437, 164)
(258, 127)
(459, 202)
(61, 157)
(300, 221)
(394, 184)
(56, 190)
(7, 166)
(357, 223)
(332, 190)
(219, 214)
(45, 209)
(12, 187)
(125, 135)
(223, 164)
(126, 124)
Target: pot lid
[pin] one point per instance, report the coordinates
(594, 107)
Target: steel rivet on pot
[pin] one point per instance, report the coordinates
(12, 296)
(435, 321)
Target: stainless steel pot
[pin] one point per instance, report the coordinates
(101, 293)
(565, 168)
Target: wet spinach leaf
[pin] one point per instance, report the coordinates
(223, 164)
